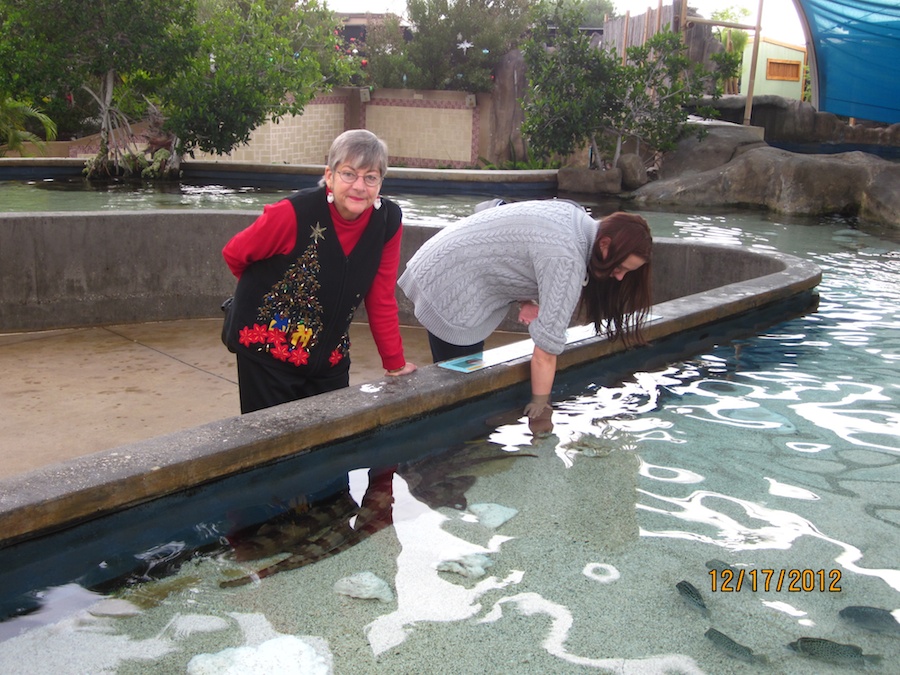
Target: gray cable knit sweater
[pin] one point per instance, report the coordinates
(464, 278)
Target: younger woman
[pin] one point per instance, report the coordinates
(548, 255)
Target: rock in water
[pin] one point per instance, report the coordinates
(364, 585)
(692, 596)
(492, 515)
(871, 618)
(114, 607)
(286, 655)
(184, 625)
(732, 648)
(833, 652)
(471, 566)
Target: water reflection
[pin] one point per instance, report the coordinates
(309, 532)
(424, 594)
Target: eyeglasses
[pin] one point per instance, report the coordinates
(370, 179)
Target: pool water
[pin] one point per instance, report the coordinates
(507, 550)
(79, 195)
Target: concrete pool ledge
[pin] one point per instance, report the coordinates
(704, 286)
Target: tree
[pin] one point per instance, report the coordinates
(583, 95)
(734, 40)
(456, 45)
(387, 60)
(659, 80)
(208, 74)
(257, 61)
(573, 86)
(595, 11)
(88, 46)
(13, 133)
(38, 73)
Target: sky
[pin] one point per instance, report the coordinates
(779, 22)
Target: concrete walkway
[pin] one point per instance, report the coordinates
(69, 393)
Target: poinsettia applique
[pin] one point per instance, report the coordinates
(255, 335)
(276, 337)
(280, 352)
(299, 357)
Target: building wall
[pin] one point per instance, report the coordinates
(422, 129)
(304, 139)
(425, 132)
(774, 57)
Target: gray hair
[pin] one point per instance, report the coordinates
(360, 149)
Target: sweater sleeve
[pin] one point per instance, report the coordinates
(559, 287)
(273, 233)
(381, 307)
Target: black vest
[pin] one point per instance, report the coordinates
(294, 310)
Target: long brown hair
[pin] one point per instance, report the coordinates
(619, 308)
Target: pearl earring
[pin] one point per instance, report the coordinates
(377, 203)
(329, 197)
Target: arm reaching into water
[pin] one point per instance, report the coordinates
(543, 370)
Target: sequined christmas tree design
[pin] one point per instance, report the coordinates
(290, 318)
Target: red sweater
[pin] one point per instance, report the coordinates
(275, 233)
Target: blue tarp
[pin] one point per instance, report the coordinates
(854, 56)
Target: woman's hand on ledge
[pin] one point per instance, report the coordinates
(405, 370)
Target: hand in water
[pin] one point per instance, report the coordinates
(542, 425)
(537, 405)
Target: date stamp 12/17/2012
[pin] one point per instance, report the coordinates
(793, 581)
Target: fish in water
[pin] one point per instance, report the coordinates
(732, 648)
(718, 565)
(871, 618)
(442, 480)
(833, 652)
(312, 532)
(295, 527)
(323, 531)
(692, 596)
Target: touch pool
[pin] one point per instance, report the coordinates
(773, 452)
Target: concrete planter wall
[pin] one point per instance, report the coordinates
(64, 270)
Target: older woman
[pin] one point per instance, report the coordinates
(303, 267)
(548, 255)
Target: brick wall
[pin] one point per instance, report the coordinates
(423, 129)
(431, 129)
(295, 140)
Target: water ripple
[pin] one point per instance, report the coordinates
(779, 530)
